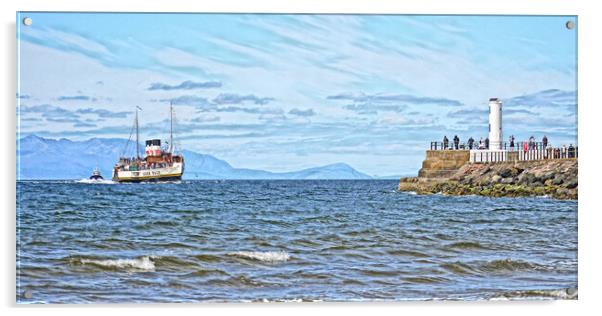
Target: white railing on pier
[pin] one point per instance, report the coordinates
(493, 156)
(481, 156)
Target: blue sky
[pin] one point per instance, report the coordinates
(285, 92)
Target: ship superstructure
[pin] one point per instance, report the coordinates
(160, 163)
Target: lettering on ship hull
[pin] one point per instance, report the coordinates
(150, 175)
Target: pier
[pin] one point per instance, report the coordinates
(519, 151)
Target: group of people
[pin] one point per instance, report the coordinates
(137, 164)
(483, 144)
(531, 144)
(564, 152)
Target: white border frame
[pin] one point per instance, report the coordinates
(589, 53)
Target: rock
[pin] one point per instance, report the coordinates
(561, 193)
(496, 178)
(507, 181)
(558, 180)
(510, 172)
(525, 178)
(547, 176)
(486, 170)
(505, 173)
(572, 293)
(571, 184)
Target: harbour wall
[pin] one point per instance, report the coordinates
(443, 163)
(449, 172)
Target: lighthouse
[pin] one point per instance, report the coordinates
(495, 124)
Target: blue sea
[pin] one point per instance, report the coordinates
(281, 240)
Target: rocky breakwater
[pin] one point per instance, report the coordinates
(554, 178)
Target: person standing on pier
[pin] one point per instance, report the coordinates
(445, 142)
(470, 142)
(545, 141)
(456, 142)
(487, 143)
(481, 144)
(512, 141)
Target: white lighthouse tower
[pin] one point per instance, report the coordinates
(495, 124)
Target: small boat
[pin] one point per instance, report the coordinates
(96, 175)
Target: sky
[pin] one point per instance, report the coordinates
(286, 92)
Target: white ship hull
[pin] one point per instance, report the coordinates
(171, 173)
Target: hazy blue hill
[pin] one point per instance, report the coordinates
(334, 171)
(43, 158)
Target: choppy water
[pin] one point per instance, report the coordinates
(286, 240)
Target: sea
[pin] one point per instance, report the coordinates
(292, 241)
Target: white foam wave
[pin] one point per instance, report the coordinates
(143, 263)
(157, 182)
(93, 181)
(286, 300)
(265, 256)
(565, 294)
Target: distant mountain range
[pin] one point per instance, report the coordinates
(44, 158)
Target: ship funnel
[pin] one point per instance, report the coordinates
(153, 148)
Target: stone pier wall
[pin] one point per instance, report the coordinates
(443, 163)
(557, 178)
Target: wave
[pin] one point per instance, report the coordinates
(266, 256)
(92, 181)
(239, 281)
(407, 253)
(285, 300)
(564, 294)
(466, 245)
(379, 273)
(208, 257)
(208, 272)
(305, 242)
(510, 265)
(425, 280)
(138, 264)
(458, 268)
(160, 182)
(172, 262)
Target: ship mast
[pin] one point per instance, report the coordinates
(171, 147)
(137, 136)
